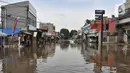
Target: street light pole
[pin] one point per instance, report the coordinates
(101, 38)
(2, 32)
(3, 20)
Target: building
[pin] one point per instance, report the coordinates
(24, 11)
(49, 27)
(124, 20)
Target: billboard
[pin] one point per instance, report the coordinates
(123, 12)
(121, 9)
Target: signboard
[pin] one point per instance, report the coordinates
(98, 17)
(121, 9)
(123, 12)
(99, 11)
(51, 33)
(99, 25)
(35, 34)
(111, 25)
(93, 26)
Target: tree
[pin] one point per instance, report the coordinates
(87, 22)
(64, 33)
(64, 45)
(113, 16)
(93, 21)
(73, 32)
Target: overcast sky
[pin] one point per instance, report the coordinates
(71, 14)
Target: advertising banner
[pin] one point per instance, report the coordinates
(93, 26)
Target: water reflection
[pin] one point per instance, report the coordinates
(27, 61)
(64, 45)
(88, 53)
(115, 58)
(79, 58)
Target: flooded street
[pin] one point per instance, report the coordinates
(65, 58)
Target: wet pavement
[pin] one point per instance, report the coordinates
(66, 58)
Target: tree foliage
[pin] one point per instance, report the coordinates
(88, 21)
(113, 16)
(73, 32)
(64, 33)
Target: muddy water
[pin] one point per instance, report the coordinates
(65, 58)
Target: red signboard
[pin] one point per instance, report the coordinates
(99, 26)
(111, 25)
(93, 26)
(52, 33)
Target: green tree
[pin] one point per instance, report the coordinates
(73, 32)
(64, 33)
(113, 16)
(87, 22)
(93, 22)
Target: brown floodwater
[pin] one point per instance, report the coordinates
(66, 58)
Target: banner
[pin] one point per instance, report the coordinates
(99, 26)
(15, 24)
(93, 26)
(111, 25)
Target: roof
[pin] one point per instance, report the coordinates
(8, 31)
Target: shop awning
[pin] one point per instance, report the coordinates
(8, 31)
(29, 27)
(2, 34)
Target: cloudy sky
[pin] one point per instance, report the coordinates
(71, 14)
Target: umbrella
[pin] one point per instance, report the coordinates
(2, 34)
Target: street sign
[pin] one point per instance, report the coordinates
(99, 11)
(98, 17)
(98, 14)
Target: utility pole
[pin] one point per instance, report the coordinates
(3, 21)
